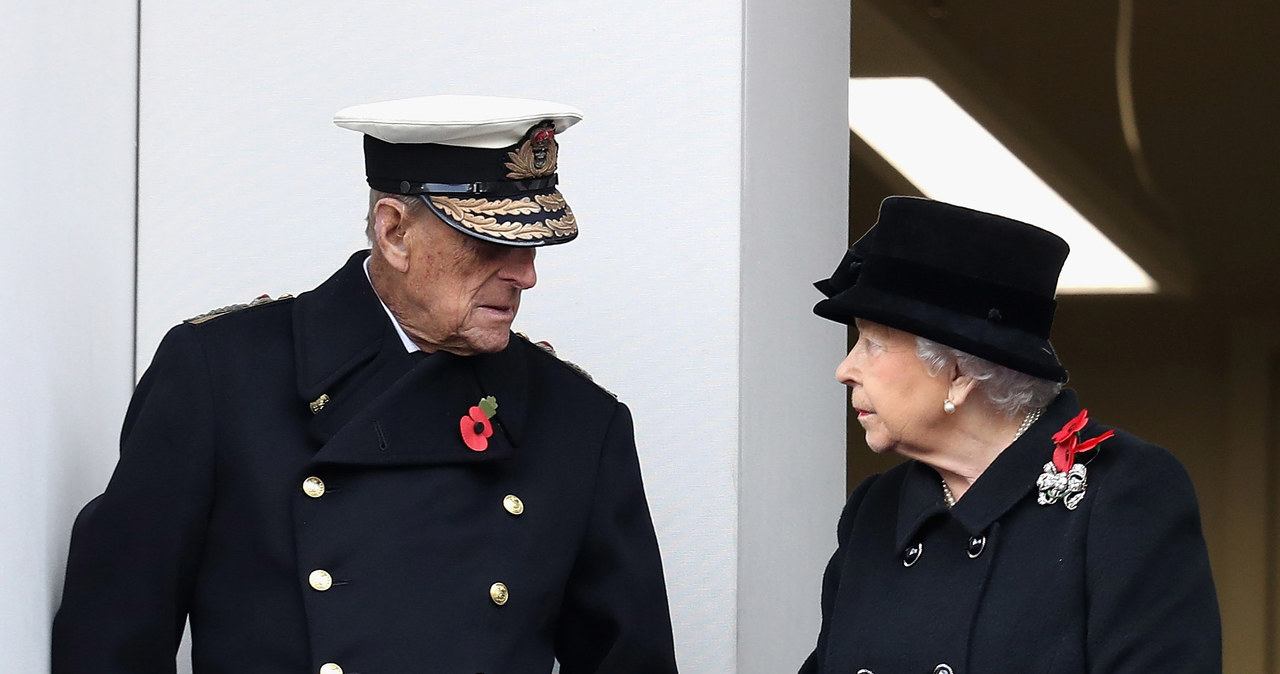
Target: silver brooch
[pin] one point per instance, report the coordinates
(1055, 485)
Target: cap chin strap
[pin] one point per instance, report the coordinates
(495, 188)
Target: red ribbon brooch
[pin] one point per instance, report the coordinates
(1064, 479)
(475, 425)
(1067, 442)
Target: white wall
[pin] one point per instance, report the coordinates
(66, 308)
(795, 227)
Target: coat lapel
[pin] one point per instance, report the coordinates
(506, 376)
(345, 348)
(1012, 476)
(1008, 480)
(920, 500)
(417, 420)
(337, 328)
(384, 406)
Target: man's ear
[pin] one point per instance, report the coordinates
(390, 232)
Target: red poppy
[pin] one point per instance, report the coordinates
(1068, 442)
(1072, 427)
(476, 429)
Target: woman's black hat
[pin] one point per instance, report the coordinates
(973, 281)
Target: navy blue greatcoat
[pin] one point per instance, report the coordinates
(206, 514)
(1001, 584)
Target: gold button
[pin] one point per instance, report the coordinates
(318, 404)
(320, 580)
(513, 504)
(330, 668)
(313, 487)
(498, 593)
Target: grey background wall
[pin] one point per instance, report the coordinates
(691, 273)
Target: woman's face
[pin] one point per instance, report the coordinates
(898, 404)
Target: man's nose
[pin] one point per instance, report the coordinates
(518, 269)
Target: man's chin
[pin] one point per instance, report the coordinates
(492, 341)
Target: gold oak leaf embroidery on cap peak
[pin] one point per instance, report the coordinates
(480, 215)
(551, 202)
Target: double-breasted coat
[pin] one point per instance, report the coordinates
(1002, 584)
(362, 535)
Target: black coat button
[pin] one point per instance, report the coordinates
(943, 668)
(912, 554)
(976, 545)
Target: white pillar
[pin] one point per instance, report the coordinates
(67, 73)
(794, 230)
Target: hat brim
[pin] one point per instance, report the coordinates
(527, 219)
(1013, 348)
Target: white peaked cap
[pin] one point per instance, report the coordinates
(463, 121)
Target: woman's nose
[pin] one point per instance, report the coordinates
(847, 371)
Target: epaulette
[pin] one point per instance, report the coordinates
(231, 308)
(546, 346)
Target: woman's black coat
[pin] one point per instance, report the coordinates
(1002, 585)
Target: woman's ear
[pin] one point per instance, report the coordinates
(390, 232)
(961, 386)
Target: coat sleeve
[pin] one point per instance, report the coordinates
(615, 617)
(135, 548)
(1151, 605)
(831, 577)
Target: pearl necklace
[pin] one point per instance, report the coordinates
(1032, 417)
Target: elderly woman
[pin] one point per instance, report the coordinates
(1021, 536)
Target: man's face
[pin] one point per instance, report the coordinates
(460, 294)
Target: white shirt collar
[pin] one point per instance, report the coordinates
(408, 343)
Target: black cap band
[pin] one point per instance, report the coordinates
(979, 298)
(493, 189)
(432, 163)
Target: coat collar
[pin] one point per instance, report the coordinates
(385, 405)
(337, 328)
(416, 419)
(1008, 480)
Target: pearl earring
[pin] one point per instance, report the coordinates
(948, 406)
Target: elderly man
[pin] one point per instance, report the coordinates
(377, 477)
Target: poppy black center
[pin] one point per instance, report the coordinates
(479, 428)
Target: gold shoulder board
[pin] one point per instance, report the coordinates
(546, 346)
(231, 308)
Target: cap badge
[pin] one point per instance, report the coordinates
(536, 156)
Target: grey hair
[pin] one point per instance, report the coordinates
(1011, 392)
(412, 202)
